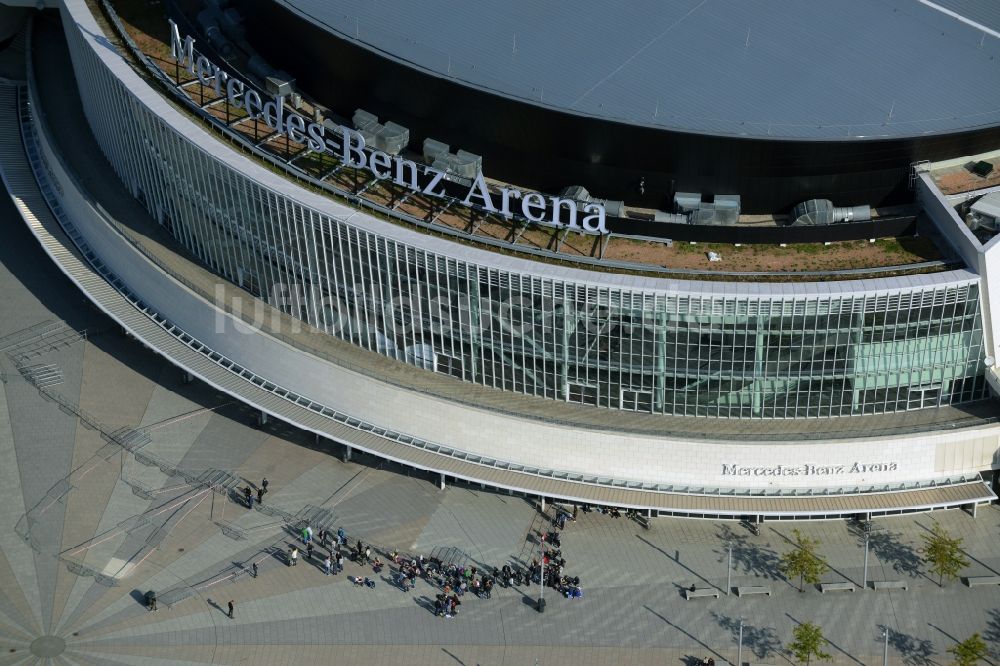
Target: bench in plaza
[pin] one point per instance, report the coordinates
(701, 592)
(752, 589)
(835, 587)
(975, 581)
(889, 584)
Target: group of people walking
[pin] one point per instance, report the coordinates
(248, 493)
(553, 564)
(453, 580)
(333, 560)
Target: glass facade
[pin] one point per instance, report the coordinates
(722, 353)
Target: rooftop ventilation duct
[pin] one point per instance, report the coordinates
(232, 23)
(580, 194)
(208, 21)
(260, 67)
(822, 211)
(613, 207)
(669, 218)
(208, 18)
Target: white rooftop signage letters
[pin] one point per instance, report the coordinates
(349, 146)
(809, 469)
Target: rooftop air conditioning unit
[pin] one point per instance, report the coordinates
(728, 202)
(685, 202)
(985, 213)
(434, 149)
(708, 214)
(392, 138)
(467, 165)
(444, 162)
(723, 209)
(279, 83)
(576, 193)
(370, 134)
(363, 119)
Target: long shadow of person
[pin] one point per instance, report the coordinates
(140, 597)
(280, 555)
(425, 603)
(211, 602)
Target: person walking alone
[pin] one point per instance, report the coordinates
(263, 484)
(231, 607)
(255, 570)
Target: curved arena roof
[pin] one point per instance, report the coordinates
(837, 69)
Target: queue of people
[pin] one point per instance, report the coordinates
(452, 580)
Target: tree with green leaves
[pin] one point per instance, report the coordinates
(803, 561)
(970, 651)
(807, 644)
(943, 553)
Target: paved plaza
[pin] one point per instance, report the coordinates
(116, 479)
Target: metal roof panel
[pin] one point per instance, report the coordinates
(838, 69)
